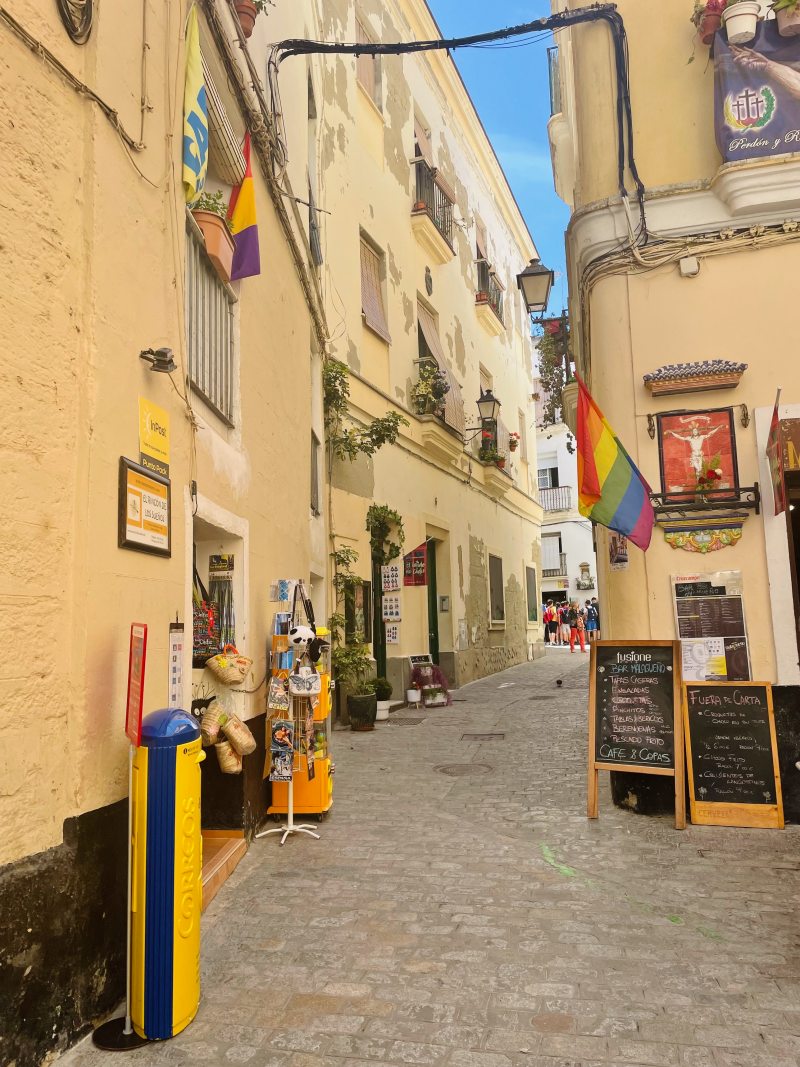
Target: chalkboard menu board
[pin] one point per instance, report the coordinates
(634, 722)
(731, 749)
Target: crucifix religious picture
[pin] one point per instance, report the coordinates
(697, 453)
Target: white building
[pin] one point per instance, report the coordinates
(568, 559)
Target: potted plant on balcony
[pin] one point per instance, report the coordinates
(210, 214)
(351, 665)
(246, 11)
(487, 453)
(707, 17)
(787, 13)
(741, 20)
(382, 688)
(429, 390)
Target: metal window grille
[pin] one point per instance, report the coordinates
(556, 498)
(489, 288)
(314, 473)
(544, 478)
(209, 328)
(368, 69)
(432, 198)
(372, 292)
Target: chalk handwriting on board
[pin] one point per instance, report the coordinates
(634, 707)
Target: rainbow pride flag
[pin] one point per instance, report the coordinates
(611, 490)
(242, 215)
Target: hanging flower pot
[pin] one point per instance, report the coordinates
(246, 11)
(709, 24)
(741, 20)
(219, 241)
(787, 13)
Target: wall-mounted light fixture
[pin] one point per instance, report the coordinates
(651, 426)
(160, 359)
(488, 410)
(535, 283)
(744, 415)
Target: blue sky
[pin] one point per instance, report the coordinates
(510, 89)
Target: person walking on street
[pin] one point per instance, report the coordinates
(596, 607)
(576, 627)
(564, 624)
(591, 621)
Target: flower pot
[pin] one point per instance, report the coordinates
(788, 21)
(501, 463)
(246, 11)
(420, 205)
(362, 711)
(512, 444)
(709, 24)
(481, 297)
(219, 242)
(741, 21)
(383, 710)
(413, 696)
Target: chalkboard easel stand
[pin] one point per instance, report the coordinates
(677, 770)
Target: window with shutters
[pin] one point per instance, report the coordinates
(368, 68)
(497, 603)
(450, 407)
(373, 306)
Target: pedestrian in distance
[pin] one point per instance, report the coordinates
(592, 619)
(564, 623)
(596, 607)
(576, 627)
(551, 623)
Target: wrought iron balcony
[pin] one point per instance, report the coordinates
(559, 498)
(556, 572)
(432, 200)
(489, 292)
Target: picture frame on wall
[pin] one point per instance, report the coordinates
(144, 510)
(697, 455)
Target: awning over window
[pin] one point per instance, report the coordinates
(372, 292)
(423, 139)
(224, 149)
(454, 400)
(427, 324)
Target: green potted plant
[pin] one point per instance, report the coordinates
(351, 666)
(787, 14)
(382, 688)
(707, 18)
(741, 20)
(429, 391)
(210, 213)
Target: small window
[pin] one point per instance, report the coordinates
(497, 604)
(315, 450)
(523, 437)
(486, 379)
(372, 304)
(544, 478)
(532, 595)
(368, 68)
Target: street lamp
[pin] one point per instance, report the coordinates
(535, 282)
(160, 359)
(488, 406)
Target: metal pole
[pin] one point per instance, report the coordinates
(128, 1029)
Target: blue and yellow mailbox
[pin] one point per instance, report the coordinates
(166, 882)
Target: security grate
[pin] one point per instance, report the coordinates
(405, 720)
(462, 770)
(483, 737)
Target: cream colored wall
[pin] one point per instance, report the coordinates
(95, 276)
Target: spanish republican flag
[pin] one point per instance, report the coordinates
(242, 215)
(195, 115)
(611, 490)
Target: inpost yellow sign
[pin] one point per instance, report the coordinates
(153, 436)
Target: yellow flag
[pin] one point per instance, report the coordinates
(195, 116)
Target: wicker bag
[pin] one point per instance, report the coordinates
(209, 725)
(230, 762)
(229, 667)
(238, 734)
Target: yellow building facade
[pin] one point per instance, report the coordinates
(422, 241)
(702, 273)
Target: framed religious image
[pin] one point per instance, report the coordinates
(143, 510)
(697, 455)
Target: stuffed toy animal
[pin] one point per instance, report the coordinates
(299, 637)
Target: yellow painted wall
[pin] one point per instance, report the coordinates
(92, 274)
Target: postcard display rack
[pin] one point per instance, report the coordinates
(308, 788)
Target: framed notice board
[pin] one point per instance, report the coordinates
(732, 754)
(635, 723)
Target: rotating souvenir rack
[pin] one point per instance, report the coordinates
(299, 763)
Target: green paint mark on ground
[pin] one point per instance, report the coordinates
(675, 919)
(712, 934)
(549, 857)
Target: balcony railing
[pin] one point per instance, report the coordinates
(433, 200)
(489, 292)
(558, 498)
(556, 572)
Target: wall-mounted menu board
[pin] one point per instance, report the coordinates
(732, 754)
(709, 615)
(634, 714)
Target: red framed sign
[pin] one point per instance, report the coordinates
(136, 662)
(415, 566)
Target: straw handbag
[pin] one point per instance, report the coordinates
(209, 724)
(230, 761)
(238, 734)
(229, 667)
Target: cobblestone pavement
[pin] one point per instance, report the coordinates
(479, 920)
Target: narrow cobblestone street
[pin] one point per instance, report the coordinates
(460, 911)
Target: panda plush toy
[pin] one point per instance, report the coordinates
(299, 637)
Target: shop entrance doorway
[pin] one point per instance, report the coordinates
(433, 602)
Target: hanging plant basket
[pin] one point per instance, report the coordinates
(741, 21)
(246, 12)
